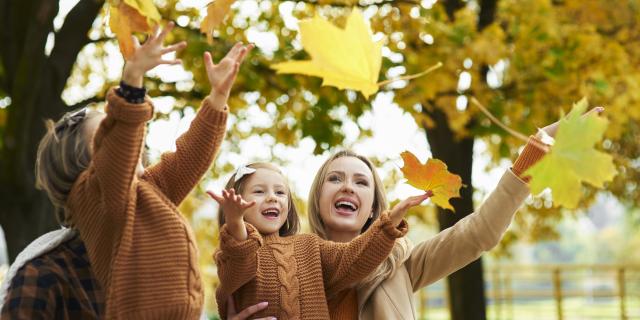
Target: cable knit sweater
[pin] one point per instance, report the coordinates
(296, 274)
(141, 249)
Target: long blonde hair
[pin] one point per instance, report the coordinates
(292, 226)
(399, 251)
(63, 153)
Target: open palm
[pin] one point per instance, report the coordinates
(222, 75)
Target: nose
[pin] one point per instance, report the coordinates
(347, 186)
(271, 197)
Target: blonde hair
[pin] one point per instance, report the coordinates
(63, 153)
(292, 226)
(399, 251)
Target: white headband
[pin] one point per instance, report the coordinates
(243, 171)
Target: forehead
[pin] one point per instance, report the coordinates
(265, 176)
(350, 166)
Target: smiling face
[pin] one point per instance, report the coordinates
(269, 190)
(346, 197)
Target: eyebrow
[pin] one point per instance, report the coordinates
(358, 174)
(262, 185)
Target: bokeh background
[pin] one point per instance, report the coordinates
(527, 61)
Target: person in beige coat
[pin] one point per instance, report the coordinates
(347, 196)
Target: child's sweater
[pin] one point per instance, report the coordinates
(297, 274)
(141, 249)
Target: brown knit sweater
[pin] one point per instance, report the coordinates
(141, 249)
(296, 274)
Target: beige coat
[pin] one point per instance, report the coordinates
(447, 252)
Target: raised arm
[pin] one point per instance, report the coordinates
(346, 264)
(237, 263)
(178, 172)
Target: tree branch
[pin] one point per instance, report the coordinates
(376, 3)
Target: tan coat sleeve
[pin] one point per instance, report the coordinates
(480, 231)
(346, 264)
(237, 263)
(179, 172)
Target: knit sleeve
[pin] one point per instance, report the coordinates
(178, 172)
(457, 246)
(116, 152)
(237, 263)
(346, 264)
(532, 153)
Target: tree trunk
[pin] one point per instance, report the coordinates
(35, 83)
(466, 286)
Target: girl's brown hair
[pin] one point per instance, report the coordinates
(63, 153)
(401, 248)
(292, 226)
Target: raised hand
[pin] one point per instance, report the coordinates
(246, 313)
(232, 204)
(149, 55)
(222, 75)
(552, 129)
(400, 209)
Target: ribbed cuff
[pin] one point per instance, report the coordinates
(391, 230)
(213, 116)
(531, 154)
(120, 109)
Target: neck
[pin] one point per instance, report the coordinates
(341, 236)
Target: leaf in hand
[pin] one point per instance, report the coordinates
(432, 176)
(573, 158)
(216, 11)
(129, 16)
(345, 58)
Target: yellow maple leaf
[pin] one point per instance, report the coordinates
(345, 58)
(216, 11)
(573, 158)
(129, 16)
(432, 176)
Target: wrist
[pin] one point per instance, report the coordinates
(217, 100)
(132, 76)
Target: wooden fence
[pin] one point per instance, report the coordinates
(541, 292)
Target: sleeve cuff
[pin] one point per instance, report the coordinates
(391, 230)
(531, 154)
(233, 247)
(213, 116)
(121, 110)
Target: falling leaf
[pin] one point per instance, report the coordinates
(432, 176)
(216, 11)
(345, 58)
(129, 16)
(573, 158)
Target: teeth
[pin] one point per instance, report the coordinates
(271, 212)
(346, 203)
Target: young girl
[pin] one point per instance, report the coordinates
(295, 274)
(141, 249)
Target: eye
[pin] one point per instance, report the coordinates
(281, 193)
(363, 182)
(258, 191)
(334, 178)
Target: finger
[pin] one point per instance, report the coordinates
(249, 204)
(251, 310)
(136, 42)
(163, 34)
(235, 50)
(175, 47)
(244, 52)
(215, 197)
(598, 110)
(228, 82)
(154, 34)
(208, 63)
(170, 61)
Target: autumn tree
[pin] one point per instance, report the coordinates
(524, 60)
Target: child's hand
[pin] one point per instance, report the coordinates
(552, 129)
(400, 209)
(149, 55)
(232, 204)
(222, 75)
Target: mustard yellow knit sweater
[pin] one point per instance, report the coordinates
(297, 274)
(141, 249)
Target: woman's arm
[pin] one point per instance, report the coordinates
(178, 172)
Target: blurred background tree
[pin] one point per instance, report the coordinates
(525, 60)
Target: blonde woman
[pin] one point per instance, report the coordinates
(141, 250)
(387, 293)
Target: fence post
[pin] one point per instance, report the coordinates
(622, 293)
(557, 290)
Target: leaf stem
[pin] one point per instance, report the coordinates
(411, 76)
(514, 133)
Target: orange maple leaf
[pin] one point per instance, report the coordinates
(216, 11)
(432, 176)
(126, 19)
